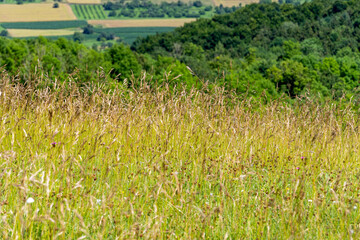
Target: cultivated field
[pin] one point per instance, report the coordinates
(205, 2)
(35, 12)
(84, 1)
(45, 25)
(86, 11)
(79, 163)
(230, 3)
(40, 32)
(142, 22)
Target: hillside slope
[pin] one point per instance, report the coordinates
(293, 49)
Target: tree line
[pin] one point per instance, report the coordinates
(148, 9)
(261, 50)
(271, 48)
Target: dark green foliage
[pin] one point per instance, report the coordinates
(147, 9)
(62, 58)
(78, 37)
(121, 59)
(288, 48)
(4, 33)
(88, 29)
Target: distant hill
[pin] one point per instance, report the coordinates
(294, 48)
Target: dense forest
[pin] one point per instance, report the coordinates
(274, 47)
(261, 50)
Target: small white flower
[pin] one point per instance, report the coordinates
(176, 173)
(98, 201)
(309, 200)
(355, 207)
(211, 194)
(351, 231)
(242, 176)
(207, 203)
(30, 200)
(335, 202)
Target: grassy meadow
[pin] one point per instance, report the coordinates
(88, 163)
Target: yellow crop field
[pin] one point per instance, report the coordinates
(142, 22)
(37, 12)
(39, 32)
(84, 1)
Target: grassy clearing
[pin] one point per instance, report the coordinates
(141, 22)
(148, 163)
(37, 12)
(40, 32)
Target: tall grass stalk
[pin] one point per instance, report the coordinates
(160, 164)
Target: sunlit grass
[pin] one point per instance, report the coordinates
(149, 163)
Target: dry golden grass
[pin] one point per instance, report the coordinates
(37, 12)
(39, 32)
(85, 1)
(157, 163)
(142, 22)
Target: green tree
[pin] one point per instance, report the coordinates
(123, 62)
(78, 37)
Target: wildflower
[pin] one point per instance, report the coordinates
(302, 157)
(297, 168)
(211, 194)
(54, 144)
(98, 201)
(355, 207)
(30, 200)
(309, 200)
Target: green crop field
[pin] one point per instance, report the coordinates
(88, 11)
(23, 2)
(45, 25)
(129, 35)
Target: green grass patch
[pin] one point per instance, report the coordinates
(45, 25)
